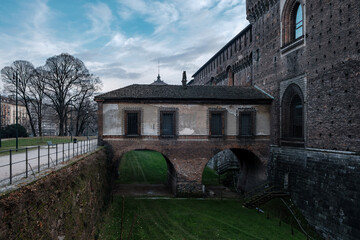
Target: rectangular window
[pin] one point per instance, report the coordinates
(246, 123)
(167, 124)
(132, 123)
(217, 124)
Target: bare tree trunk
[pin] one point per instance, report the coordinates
(30, 119)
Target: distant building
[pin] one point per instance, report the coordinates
(8, 112)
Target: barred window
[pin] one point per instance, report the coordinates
(167, 124)
(132, 123)
(216, 124)
(246, 123)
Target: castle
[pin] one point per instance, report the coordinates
(306, 54)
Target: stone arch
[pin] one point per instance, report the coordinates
(188, 158)
(288, 20)
(253, 170)
(292, 104)
(250, 169)
(171, 167)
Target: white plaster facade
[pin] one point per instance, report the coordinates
(191, 119)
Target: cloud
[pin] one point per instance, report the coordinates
(113, 70)
(186, 33)
(34, 39)
(100, 16)
(160, 14)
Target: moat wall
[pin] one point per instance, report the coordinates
(324, 185)
(66, 204)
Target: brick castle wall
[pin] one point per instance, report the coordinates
(324, 186)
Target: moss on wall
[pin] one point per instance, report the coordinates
(67, 203)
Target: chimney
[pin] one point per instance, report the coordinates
(183, 81)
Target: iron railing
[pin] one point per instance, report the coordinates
(20, 163)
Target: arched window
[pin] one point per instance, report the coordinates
(292, 116)
(292, 21)
(296, 117)
(298, 21)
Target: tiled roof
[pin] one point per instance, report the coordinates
(178, 92)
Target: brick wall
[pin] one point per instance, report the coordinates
(324, 186)
(187, 159)
(327, 67)
(328, 62)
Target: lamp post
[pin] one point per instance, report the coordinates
(71, 130)
(0, 120)
(87, 127)
(16, 104)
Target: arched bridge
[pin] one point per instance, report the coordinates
(189, 125)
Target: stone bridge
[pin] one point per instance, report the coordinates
(189, 125)
(186, 159)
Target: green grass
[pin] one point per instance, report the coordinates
(276, 208)
(146, 167)
(191, 219)
(35, 141)
(210, 177)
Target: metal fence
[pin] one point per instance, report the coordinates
(18, 164)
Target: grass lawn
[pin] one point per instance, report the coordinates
(146, 167)
(35, 141)
(210, 177)
(188, 218)
(191, 219)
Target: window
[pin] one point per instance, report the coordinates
(132, 123)
(292, 116)
(167, 124)
(247, 123)
(298, 22)
(296, 117)
(217, 125)
(292, 25)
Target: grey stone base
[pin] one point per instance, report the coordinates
(188, 189)
(325, 186)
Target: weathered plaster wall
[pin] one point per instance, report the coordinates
(66, 204)
(192, 119)
(112, 119)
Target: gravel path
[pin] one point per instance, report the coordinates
(39, 158)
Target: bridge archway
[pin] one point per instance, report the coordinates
(187, 159)
(146, 166)
(237, 168)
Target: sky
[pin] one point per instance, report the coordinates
(120, 41)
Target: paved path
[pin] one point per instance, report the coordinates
(40, 158)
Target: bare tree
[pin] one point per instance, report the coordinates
(37, 95)
(21, 71)
(64, 79)
(83, 103)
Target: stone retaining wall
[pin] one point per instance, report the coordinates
(66, 204)
(324, 185)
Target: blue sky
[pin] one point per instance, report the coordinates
(120, 41)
